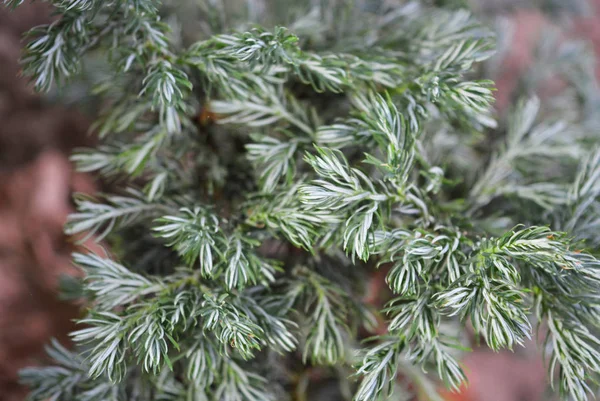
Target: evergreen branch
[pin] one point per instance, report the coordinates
(536, 246)
(67, 379)
(110, 160)
(150, 339)
(111, 283)
(387, 127)
(166, 85)
(240, 385)
(416, 321)
(342, 189)
(195, 234)
(284, 216)
(524, 142)
(342, 134)
(55, 52)
(272, 321)
(203, 361)
(274, 159)
(421, 257)
(117, 212)
(582, 201)
(333, 72)
(506, 323)
(123, 115)
(231, 327)
(259, 47)
(56, 381)
(337, 72)
(327, 321)
(379, 368)
(574, 355)
(340, 186)
(107, 357)
(258, 111)
(244, 266)
(359, 229)
(460, 56)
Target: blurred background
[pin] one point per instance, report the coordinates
(37, 134)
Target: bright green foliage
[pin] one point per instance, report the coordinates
(268, 172)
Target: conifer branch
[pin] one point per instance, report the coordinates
(253, 159)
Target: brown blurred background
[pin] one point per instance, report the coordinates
(37, 180)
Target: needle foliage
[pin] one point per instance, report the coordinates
(269, 158)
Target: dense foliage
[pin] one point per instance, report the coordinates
(263, 174)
